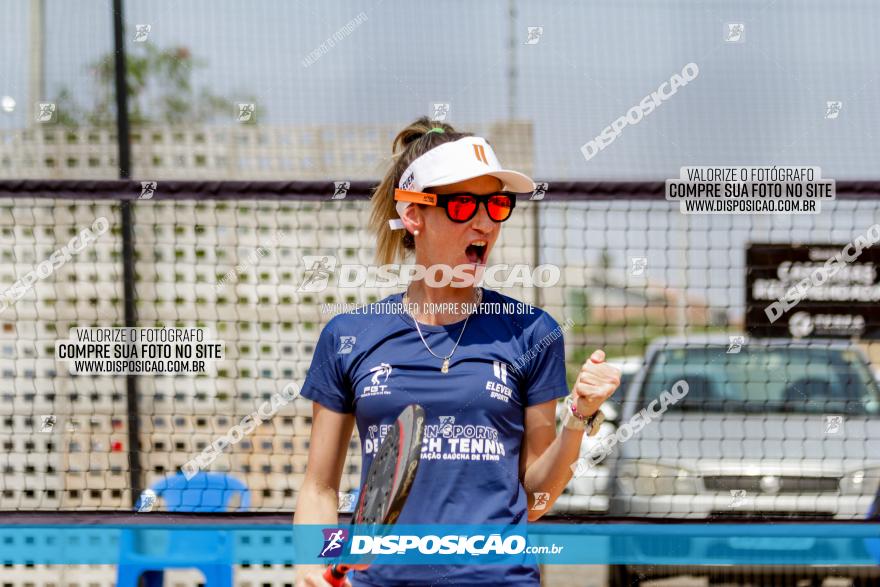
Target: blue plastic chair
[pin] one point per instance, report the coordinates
(149, 552)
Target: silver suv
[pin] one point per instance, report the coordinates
(774, 429)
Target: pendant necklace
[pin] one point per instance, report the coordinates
(445, 366)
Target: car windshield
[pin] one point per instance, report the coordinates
(765, 379)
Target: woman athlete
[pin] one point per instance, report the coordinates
(488, 383)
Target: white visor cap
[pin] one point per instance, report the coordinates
(456, 161)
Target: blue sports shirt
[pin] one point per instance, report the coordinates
(372, 363)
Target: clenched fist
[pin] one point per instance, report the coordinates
(596, 382)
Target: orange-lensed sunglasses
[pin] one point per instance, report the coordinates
(462, 206)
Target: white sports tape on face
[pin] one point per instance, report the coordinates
(452, 162)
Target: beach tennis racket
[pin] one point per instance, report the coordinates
(388, 480)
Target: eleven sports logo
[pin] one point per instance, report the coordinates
(320, 268)
(338, 541)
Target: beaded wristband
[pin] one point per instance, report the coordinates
(575, 413)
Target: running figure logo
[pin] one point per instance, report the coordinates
(737, 498)
(142, 31)
(736, 344)
(318, 272)
(334, 541)
(535, 33)
(541, 501)
(346, 344)
(439, 111)
(46, 112)
(735, 32)
(540, 191)
(148, 188)
(639, 264)
(340, 189)
(378, 371)
(833, 424)
(147, 501)
(247, 113)
(47, 423)
(446, 424)
(832, 109)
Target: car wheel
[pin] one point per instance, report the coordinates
(622, 576)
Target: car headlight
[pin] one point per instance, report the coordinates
(643, 478)
(861, 482)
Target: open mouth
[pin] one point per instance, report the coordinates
(476, 252)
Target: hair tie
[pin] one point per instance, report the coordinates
(436, 129)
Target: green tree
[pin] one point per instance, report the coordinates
(160, 91)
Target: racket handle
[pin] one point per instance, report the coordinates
(335, 575)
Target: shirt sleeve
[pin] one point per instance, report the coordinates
(326, 381)
(545, 368)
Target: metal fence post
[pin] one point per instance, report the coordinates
(128, 260)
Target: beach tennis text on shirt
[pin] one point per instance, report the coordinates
(447, 441)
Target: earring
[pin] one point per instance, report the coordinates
(416, 232)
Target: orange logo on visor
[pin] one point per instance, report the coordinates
(480, 154)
